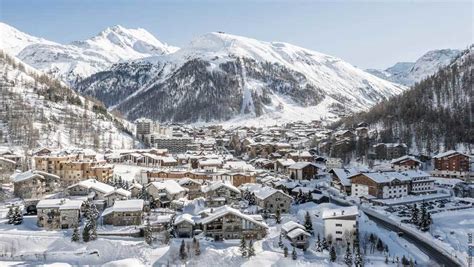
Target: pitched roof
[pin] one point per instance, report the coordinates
(119, 191)
(297, 232)
(23, 176)
(95, 185)
(124, 206)
(449, 153)
(291, 225)
(386, 177)
(344, 174)
(224, 210)
(184, 218)
(265, 192)
(217, 185)
(170, 186)
(404, 158)
(301, 165)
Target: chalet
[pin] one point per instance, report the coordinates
(91, 188)
(290, 226)
(33, 184)
(340, 224)
(332, 163)
(136, 189)
(303, 170)
(117, 194)
(220, 193)
(451, 164)
(184, 226)
(404, 163)
(7, 167)
(300, 156)
(166, 191)
(299, 238)
(193, 187)
(340, 179)
(124, 212)
(58, 213)
(281, 165)
(271, 199)
(228, 223)
(380, 185)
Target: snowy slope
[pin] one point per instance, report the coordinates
(36, 110)
(80, 59)
(218, 77)
(408, 73)
(13, 40)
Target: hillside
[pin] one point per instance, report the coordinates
(435, 114)
(36, 110)
(409, 73)
(220, 77)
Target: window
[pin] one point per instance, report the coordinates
(339, 232)
(338, 224)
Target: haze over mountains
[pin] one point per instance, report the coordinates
(217, 77)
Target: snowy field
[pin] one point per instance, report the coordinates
(28, 244)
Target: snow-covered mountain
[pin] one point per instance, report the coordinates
(408, 73)
(219, 77)
(80, 59)
(36, 110)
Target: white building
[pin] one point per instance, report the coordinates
(421, 182)
(333, 163)
(340, 224)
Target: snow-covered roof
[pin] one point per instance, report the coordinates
(224, 210)
(266, 191)
(120, 191)
(303, 189)
(297, 232)
(415, 174)
(286, 162)
(136, 185)
(386, 177)
(344, 174)
(23, 176)
(7, 160)
(404, 158)
(184, 218)
(95, 185)
(71, 205)
(50, 203)
(300, 165)
(210, 162)
(340, 212)
(187, 180)
(124, 206)
(170, 186)
(449, 153)
(216, 185)
(291, 225)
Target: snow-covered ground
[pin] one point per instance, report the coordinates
(28, 244)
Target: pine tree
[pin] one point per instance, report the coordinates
(405, 261)
(358, 260)
(308, 224)
(86, 234)
(425, 219)
(17, 216)
(414, 215)
(197, 249)
(250, 249)
(10, 215)
(182, 251)
(386, 259)
(280, 242)
(243, 247)
(332, 254)
(278, 215)
(380, 246)
(75, 235)
(166, 240)
(148, 233)
(318, 246)
(285, 252)
(324, 244)
(294, 256)
(348, 256)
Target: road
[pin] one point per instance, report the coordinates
(429, 250)
(434, 254)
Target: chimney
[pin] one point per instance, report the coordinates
(342, 212)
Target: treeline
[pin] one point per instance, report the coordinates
(435, 112)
